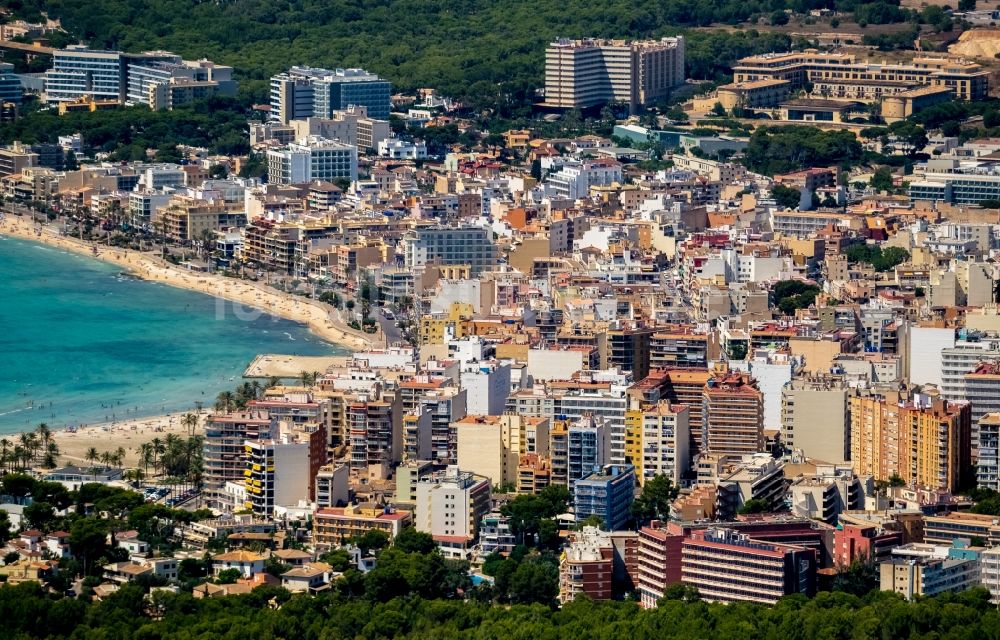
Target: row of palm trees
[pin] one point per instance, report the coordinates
(244, 393)
(114, 458)
(172, 456)
(36, 448)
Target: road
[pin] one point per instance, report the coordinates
(389, 329)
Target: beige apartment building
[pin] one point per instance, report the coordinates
(186, 219)
(843, 76)
(494, 445)
(587, 73)
(925, 444)
(815, 417)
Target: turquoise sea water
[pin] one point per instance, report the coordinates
(80, 344)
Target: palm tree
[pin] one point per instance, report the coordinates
(4, 448)
(157, 445)
(173, 455)
(51, 457)
(91, 456)
(29, 442)
(193, 456)
(120, 456)
(190, 420)
(146, 454)
(224, 401)
(44, 434)
(19, 458)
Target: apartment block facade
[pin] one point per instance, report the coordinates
(734, 415)
(312, 158)
(839, 75)
(728, 566)
(607, 494)
(466, 245)
(305, 92)
(927, 443)
(587, 73)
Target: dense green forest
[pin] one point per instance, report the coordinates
(270, 612)
(486, 52)
(218, 124)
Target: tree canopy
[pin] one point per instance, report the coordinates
(271, 612)
(881, 259)
(774, 150)
(789, 295)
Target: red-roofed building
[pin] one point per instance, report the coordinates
(333, 526)
(728, 566)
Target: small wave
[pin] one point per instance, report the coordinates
(289, 335)
(7, 413)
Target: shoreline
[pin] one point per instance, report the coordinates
(128, 434)
(320, 320)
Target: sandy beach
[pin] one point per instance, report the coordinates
(268, 365)
(128, 434)
(321, 319)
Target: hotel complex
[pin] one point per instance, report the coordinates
(306, 92)
(586, 73)
(767, 81)
(157, 79)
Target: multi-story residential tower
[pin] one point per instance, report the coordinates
(815, 418)
(588, 447)
(727, 566)
(277, 474)
(607, 494)
(734, 415)
(656, 441)
(587, 73)
(471, 245)
(927, 443)
(224, 452)
(304, 92)
(679, 386)
(376, 436)
(450, 506)
(312, 158)
(988, 462)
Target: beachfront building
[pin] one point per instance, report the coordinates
(457, 245)
(224, 451)
(276, 474)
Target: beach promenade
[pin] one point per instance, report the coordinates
(322, 319)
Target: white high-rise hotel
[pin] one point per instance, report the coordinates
(587, 73)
